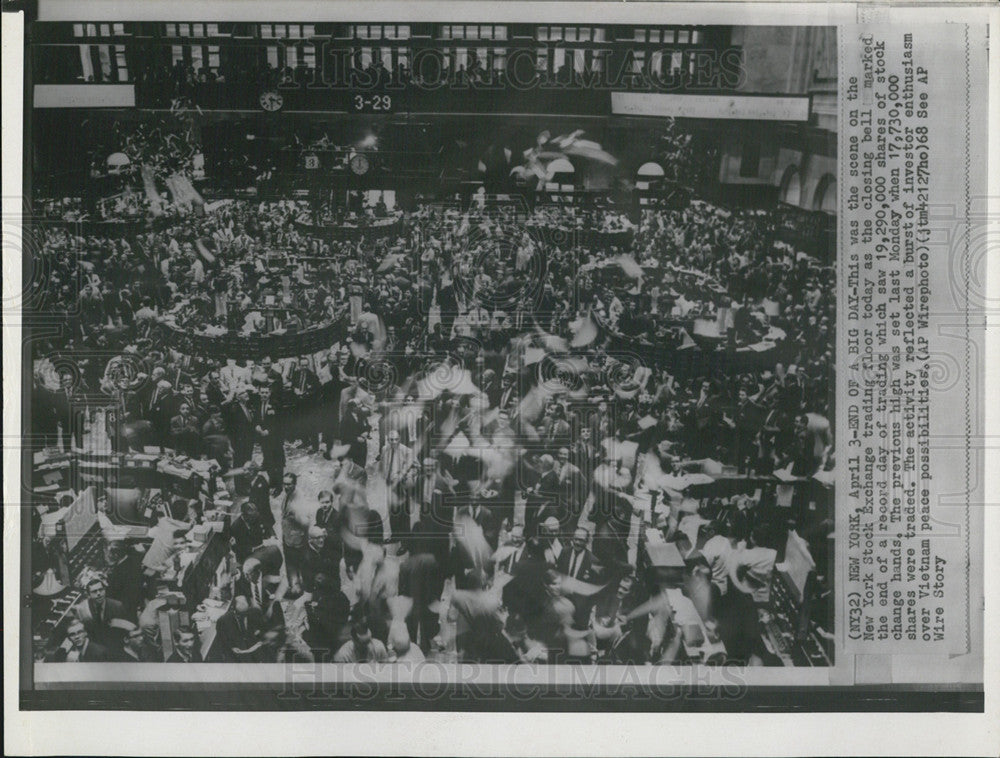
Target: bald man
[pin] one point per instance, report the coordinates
(317, 559)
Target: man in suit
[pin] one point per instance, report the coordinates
(124, 577)
(248, 532)
(329, 399)
(555, 430)
(327, 617)
(98, 612)
(395, 463)
(318, 560)
(327, 515)
(541, 497)
(305, 393)
(184, 433)
(490, 387)
(260, 574)
(572, 485)
(548, 540)
(515, 541)
(354, 432)
(238, 632)
(577, 562)
(160, 410)
(185, 650)
(240, 423)
(259, 493)
(294, 525)
(137, 649)
(213, 389)
(268, 428)
(583, 454)
(745, 422)
(706, 415)
(271, 375)
(509, 396)
(428, 489)
(79, 648)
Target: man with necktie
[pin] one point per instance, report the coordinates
(395, 462)
(515, 541)
(509, 396)
(269, 432)
(578, 563)
(241, 423)
(238, 632)
(162, 401)
(98, 614)
(185, 646)
(184, 432)
(572, 485)
(305, 389)
(294, 526)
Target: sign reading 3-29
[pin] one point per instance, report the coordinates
(372, 103)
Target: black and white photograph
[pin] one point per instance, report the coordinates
(404, 342)
(584, 359)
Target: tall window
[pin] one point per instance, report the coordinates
(473, 31)
(100, 30)
(387, 56)
(569, 34)
(195, 30)
(102, 62)
(498, 58)
(668, 36)
(287, 31)
(668, 63)
(638, 61)
(380, 31)
(197, 56)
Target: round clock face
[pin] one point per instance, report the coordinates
(360, 164)
(271, 101)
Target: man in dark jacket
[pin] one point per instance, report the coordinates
(80, 649)
(354, 432)
(240, 421)
(304, 396)
(248, 532)
(270, 434)
(99, 614)
(238, 632)
(185, 647)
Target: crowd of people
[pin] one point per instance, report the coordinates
(495, 421)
